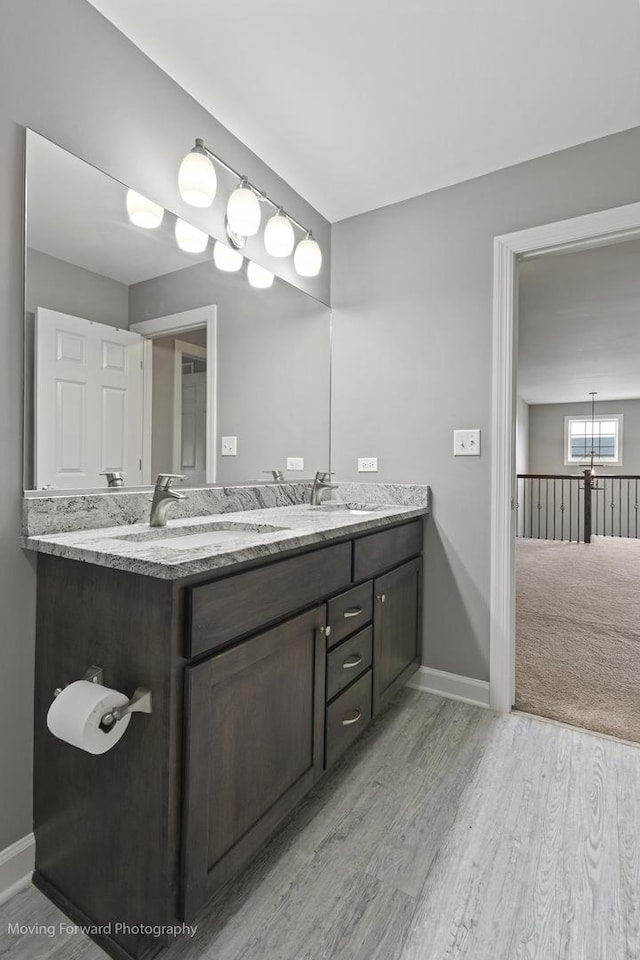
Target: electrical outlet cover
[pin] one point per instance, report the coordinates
(466, 443)
(367, 464)
(295, 463)
(229, 446)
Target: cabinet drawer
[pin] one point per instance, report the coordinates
(348, 661)
(232, 607)
(380, 551)
(347, 717)
(349, 612)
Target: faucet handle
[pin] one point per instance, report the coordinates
(277, 475)
(165, 480)
(322, 476)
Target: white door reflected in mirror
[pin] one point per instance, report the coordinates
(88, 402)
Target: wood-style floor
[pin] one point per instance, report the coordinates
(449, 832)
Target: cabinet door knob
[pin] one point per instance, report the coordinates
(352, 612)
(349, 720)
(325, 631)
(381, 597)
(352, 661)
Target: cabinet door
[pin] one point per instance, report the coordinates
(254, 746)
(397, 623)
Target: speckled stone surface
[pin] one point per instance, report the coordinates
(44, 515)
(297, 525)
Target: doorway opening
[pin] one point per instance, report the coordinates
(590, 231)
(577, 485)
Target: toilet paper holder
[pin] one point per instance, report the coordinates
(140, 702)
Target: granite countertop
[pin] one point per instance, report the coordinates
(297, 525)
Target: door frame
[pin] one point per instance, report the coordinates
(180, 348)
(176, 323)
(585, 232)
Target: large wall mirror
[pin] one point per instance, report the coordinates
(142, 356)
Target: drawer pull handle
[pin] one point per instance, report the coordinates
(381, 597)
(352, 612)
(349, 720)
(353, 661)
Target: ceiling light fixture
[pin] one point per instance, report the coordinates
(142, 212)
(258, 276)
(225, 258)
(243, 212)
(197, 179)
(189, 238)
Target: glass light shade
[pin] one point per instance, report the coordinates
(258, 276)
(225, 258)
(142, 212)
(197, 179)
(189, 238)
(278, 236)
(243, 212)
(308, 258)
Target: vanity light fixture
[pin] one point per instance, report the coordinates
(244, 215)
(279, 238)
(142, 212)
(225, 258)
(189, 238)
(197, 179)
(259, 277)
(308, 257)
(243, 210)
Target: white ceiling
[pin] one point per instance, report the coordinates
(579, 325)
(361, 103)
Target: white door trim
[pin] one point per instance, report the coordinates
(177, 323)
(592, 230)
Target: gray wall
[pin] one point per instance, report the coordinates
(274, 356)
(69, 74)
(411, 292)
(546, 435)
(70, 289)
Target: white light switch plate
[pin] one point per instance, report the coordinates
(367, 464)
(229, 446)
(466, 443)
(295, 463)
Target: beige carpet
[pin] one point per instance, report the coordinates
(578, 633)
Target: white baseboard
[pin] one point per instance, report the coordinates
(451, 685)
(16, 867)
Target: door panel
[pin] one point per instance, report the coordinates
(397, 623)
(254, 747)
(88, 402)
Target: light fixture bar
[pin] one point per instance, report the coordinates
(260, 194)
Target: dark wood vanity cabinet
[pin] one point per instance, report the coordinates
(253, 747)
(396, 634)
(262, 677)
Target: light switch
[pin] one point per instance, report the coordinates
(466, 443)
(229, 446)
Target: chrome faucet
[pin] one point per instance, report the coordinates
(277, 475)
(320, 484)
(163, 494)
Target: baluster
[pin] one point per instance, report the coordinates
(562, 509)
(628, 484)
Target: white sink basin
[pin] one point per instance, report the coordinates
(201, 534)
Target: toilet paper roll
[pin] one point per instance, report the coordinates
(75, 715)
